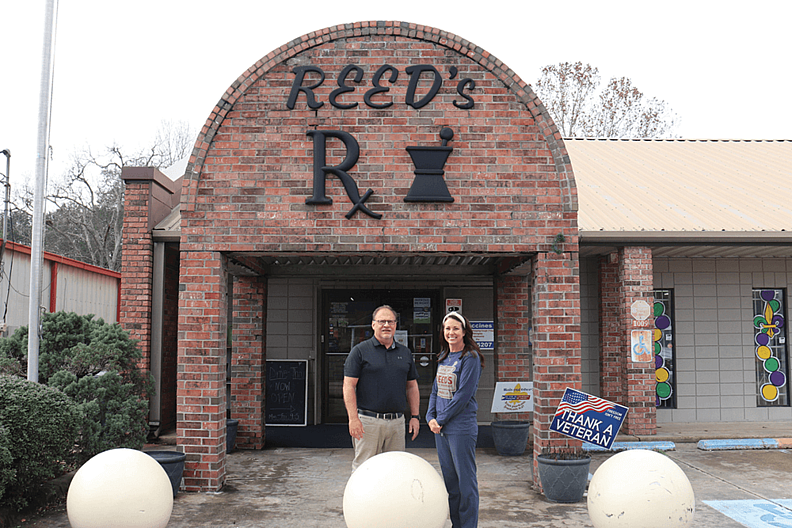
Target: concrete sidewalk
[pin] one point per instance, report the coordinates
(303, 488)
(295, 488)
(693, 432)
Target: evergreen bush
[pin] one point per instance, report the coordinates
(7, 471)
(96, 364)
(38, 426)
(112, 414)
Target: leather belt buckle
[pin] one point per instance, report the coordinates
(381, 416)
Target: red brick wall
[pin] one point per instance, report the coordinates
(248, 360)
(201, 380)
(612, 358)
(635, 268)
(252, 170)
(625, 278)
(136, 267)
(149, 196)
(556, 341)
(512, 351)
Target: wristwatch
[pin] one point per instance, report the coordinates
(416, 416)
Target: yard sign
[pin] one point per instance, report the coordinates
(588, 418)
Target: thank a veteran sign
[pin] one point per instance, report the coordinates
(588, 418)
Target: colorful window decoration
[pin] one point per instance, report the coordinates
(771, 352)
(664, 349)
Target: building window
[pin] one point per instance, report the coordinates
(664, 349)
(770, 346)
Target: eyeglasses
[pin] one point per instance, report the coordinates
(384, 322)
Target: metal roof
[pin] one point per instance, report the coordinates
(713, 197)
(169, 228)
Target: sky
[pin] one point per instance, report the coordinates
(124, 68)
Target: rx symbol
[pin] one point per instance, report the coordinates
(321, 169)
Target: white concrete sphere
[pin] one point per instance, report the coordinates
(642, 488)
(395, 490)
(120, 488)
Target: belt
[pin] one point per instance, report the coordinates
(381, 416)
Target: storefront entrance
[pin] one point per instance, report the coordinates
(346, 321)
(426, 200)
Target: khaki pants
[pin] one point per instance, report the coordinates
(379, 436)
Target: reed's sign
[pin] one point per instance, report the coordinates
(377, 95)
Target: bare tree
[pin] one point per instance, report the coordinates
(569, 91)
(19, 223)
(86, 220)
(174, 142)
(87, 223)
(566, 90)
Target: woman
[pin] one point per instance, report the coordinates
(452, 417)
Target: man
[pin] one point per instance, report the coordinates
(380, 379)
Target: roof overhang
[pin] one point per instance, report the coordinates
(691, 243)
(380, 265)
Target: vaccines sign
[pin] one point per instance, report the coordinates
(484, 334)
(588, 418)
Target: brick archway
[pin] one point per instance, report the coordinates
(247, 187)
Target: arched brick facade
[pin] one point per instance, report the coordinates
(267, 83)
(252, 170)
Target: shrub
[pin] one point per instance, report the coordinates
(112, 414)
(13, 353)
(79, 344)
(94, 363)
(38, 425)
(7, 471)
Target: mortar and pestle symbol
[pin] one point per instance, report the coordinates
(429, 185)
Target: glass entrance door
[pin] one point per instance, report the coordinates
(346, 321)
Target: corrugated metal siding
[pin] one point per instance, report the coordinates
(83, 292)
(14, 303)
(78, 290)
(682, 185)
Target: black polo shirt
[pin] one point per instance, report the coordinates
(382, 375)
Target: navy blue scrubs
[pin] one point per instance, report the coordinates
(453, 404)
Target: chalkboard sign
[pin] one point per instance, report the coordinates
(287, 392)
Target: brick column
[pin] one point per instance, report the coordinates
(137, 266)
(513, 352)
(612, 360)
(248, 360)
(635, 269)
(626, 277)
(556, 343)
(149, 197)
(200, 393)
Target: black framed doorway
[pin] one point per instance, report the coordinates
(346, 321)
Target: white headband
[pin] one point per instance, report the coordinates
(458, 316)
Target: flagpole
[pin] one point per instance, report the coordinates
(40, 189)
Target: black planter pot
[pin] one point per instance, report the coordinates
(510, 436)
(563, 480)
(231, 432)
(173, 464)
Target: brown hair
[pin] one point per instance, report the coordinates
(467, 338)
